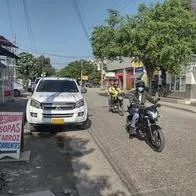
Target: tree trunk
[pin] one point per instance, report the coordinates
(163, 76)
(150, 76)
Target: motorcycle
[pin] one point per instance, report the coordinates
(117, 105)
(146, 125)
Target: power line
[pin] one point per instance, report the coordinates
(126, 4)
(28, 23)
(81, 19)
(116, 4)
(10, 16)
(55, 55)
(123, 3)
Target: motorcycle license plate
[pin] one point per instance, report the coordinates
(57, 121)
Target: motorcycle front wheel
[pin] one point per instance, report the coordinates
(157, 140)
(121, 111)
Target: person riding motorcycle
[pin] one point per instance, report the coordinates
(139, 95)
(113, 92)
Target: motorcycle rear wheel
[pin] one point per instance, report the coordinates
(157, 141)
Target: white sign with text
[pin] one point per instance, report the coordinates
(10, 134)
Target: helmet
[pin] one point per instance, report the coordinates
(116, 83)
(140, 85)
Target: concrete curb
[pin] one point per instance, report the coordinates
(176, 107)
(163, 104)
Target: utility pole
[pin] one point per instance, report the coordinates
(101, 67)
(42, 65)
(81, 72)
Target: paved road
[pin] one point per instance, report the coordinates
(78, 160)
(146, 172)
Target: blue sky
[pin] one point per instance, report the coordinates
(55, 26)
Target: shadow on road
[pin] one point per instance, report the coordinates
(52, 129)
(104, 94)
(50, 168)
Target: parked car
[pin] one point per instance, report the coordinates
(57, 101)
(33, 85)
(18, 88)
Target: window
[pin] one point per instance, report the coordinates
(57, 86)
(178, 83)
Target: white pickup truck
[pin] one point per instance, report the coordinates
(56, 101)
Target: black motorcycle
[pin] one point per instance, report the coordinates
(146, 126)
(117, 105)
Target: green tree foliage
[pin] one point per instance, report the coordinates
(29, 66)
(161, 35)
(73, 70)
(104, 43)
(45, 66)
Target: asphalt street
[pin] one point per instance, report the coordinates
(103, 160)
(171, 172)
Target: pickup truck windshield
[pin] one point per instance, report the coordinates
(57, 86)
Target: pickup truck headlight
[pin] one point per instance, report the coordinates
(80, 103)
(35, 104)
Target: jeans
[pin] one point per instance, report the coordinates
(134, 119)
(135, 116)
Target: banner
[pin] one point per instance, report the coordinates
(10, 134)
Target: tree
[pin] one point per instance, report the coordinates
(103, 40)
(161, 35)
(27, 65)
(45, 66)
(74, 68)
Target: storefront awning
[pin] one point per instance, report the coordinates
(5, 52)
(110, 75)
(5, 42)
(2, 66)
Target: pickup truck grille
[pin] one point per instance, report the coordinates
(58, 115)
(58, 106)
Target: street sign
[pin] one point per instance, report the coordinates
(10, 134)
(139, 69)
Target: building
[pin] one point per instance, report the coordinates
(184, 84)
(126, 71)
(6, 69)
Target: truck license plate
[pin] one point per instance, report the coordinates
(57, 121)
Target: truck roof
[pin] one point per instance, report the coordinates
(58, 78)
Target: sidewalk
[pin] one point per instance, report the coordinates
(179, 106)
(18, 105)
(167, 102)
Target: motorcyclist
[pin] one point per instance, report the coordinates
(113, 92)
(140, 95)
